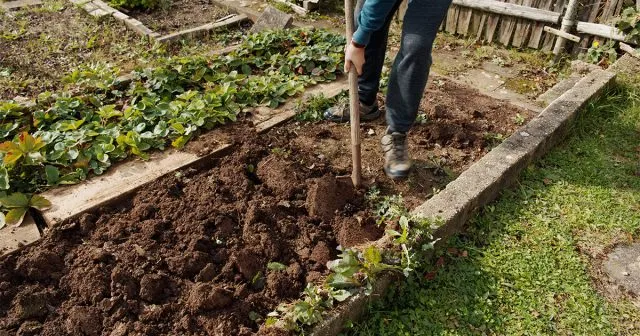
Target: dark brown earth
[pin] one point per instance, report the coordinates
(188, 254)
(181, 14)
(461, 126)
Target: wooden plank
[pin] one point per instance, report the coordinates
(119, 181)
(452, 19)
(507, 26)
(299, 10)
(595, 10)
(601, 30)
(13, 238)
(524, 27)
(480, 30)
(476, 18)
(607, 11)
(629, 50)
(512, 8)
(560, 33)
(203, 30)
(464, 19)
(287, 111)
(492, 24)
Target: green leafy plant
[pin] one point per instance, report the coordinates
(276, 266)
(313, 108)
(17, 205)
(519, 119)
(602, 54)
(629, 23)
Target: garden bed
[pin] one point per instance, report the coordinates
(191, 252)
(180, 15)
(39, 46)
(457, 127)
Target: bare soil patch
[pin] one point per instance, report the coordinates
(40, 46)
(188, 254)
(460, 126)
(181, 14)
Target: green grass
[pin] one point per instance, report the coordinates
(530, 259)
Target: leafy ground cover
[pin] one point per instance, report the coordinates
(529, 264)
(67, 135)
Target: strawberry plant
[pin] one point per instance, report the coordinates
(66, 136)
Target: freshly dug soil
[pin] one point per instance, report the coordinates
(181, 14)
(461, 125)
(188, 254)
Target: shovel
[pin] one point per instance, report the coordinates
(354, 104)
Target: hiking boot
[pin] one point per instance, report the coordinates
(396, 156)
(340, 112)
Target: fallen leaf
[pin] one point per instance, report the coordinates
(440, 262)
(430, 275)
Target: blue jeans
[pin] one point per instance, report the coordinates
(411, 67)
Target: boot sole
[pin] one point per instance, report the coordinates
(396, 175)
(363, 117)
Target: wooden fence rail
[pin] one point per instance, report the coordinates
(521, 23)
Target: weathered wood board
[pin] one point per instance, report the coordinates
(124, 178)
(12, 238)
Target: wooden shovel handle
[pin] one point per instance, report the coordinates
(354, 103)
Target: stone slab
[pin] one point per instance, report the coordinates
(79, 2)
(627, 65)
(119, 181)
(272, 18)
(623, 266)
(120, 16)
(483, 182)
(12, 238)
(557, 90)
(17, 4)
(99, 13)
(138, 27)
(104, 6)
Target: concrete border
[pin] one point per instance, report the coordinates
(483, 182)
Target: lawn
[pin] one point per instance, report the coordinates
(529, 264)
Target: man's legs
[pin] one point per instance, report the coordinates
(369, 81)
(411, 67)
(408, 80)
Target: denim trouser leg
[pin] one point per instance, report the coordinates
(369, 81)
(411, 67)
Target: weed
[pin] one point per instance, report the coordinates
(519, 119)
(493, 139)
(281, 152)
(281, 6)
(313, 108)
(602, 54)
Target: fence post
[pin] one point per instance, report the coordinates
(567, 23)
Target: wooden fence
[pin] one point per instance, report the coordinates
(521, 23)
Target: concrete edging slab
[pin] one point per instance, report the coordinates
(483, 182)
